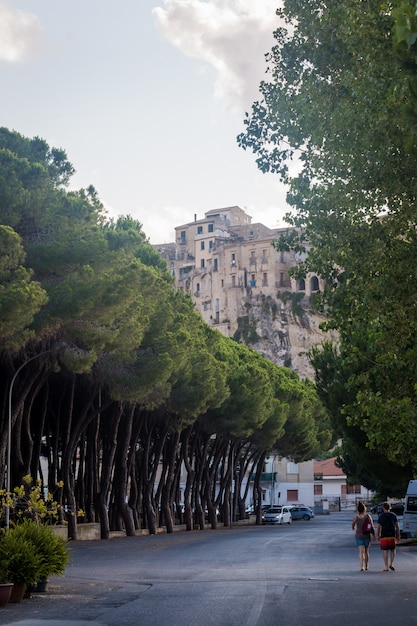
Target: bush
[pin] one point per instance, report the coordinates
(24, 563)
(53, 551)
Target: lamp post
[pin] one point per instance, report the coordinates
(9, 430)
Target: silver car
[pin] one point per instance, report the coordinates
(277, 515)
(301, 512)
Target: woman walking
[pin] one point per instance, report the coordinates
(361, 524)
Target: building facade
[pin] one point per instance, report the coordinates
(224, 261)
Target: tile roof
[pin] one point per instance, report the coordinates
(328, 468)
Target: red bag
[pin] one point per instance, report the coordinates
(368, 526)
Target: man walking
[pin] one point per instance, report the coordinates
(388, 535)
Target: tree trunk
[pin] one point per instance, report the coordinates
(166, 503)
(120, 478)
(110, 422)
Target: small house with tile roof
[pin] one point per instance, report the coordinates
(331, 486)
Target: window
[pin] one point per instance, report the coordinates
(202, 265)
(314, 283)
(233, 281)
(233, 260)
(215, 267)
(411, 504)
(210, 245)
(301, 285)
(292, 495)
(202, 245)
(282, 257)
(353, 489)
(183, 236)
(265, 279)
(318, 490)
(292, 468)
(199, 230)
(281, 279)
(211, 228)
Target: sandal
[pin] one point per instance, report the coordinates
(392, 568)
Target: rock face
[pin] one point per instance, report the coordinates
(273, 329)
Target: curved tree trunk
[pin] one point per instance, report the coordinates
(110, 423)
(186, 455)
(133, 468)
(120, 478)
(166, 503)
(257, 489)
(150, 471)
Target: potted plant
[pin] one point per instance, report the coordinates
(52, 550)
(24, 563)
(5, 585)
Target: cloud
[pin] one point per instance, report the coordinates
(20, 34)
(232, 36)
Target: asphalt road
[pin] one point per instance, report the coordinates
(303, 573)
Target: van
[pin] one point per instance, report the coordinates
(410, 511)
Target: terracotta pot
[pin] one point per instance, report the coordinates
(18, 592)
(5, 592)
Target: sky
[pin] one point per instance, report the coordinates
(147, 98)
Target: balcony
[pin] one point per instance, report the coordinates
(267, 477)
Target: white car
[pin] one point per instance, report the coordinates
(277, 515)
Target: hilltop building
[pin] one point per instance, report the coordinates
(225, 261)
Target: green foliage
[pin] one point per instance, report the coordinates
(24, 563)
(406, 23)
(341, 97)
(52, 550)
(20, 297)
(246, 331)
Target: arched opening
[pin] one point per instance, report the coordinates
(314, 283)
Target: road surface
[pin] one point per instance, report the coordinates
(303, 573)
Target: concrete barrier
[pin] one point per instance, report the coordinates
(85, 532)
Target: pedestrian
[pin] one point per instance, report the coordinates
(388, 535)
(362, 536)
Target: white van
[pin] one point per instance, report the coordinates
(410, 511)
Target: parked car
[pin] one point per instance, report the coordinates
(377, 508)
(301, 512)
(277, 515)
(396, 507)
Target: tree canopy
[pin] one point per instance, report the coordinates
(121, 383)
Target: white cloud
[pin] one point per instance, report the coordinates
(232, 36)
(20, 34)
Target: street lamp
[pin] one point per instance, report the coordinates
(9, 430)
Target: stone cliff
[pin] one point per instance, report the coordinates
(282, 331)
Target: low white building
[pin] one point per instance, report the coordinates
(331, 488)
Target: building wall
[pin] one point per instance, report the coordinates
(223, 260)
